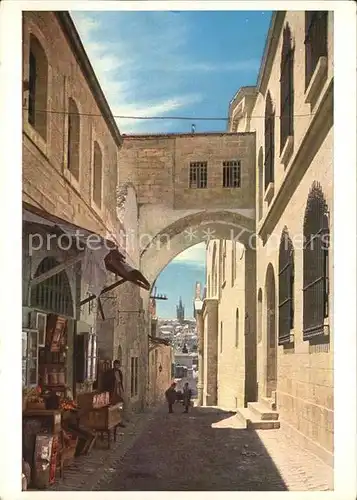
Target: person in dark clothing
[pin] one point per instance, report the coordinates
(187, 394)
(170, 395)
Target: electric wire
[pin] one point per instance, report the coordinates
(190, 118)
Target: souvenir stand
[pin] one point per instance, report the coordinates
(46, 444)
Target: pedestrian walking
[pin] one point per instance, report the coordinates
(187, 394)
(171, 396)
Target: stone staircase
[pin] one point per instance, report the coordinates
(259, 415)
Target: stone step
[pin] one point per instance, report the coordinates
(251, 421)
(263, 412)
(269, 402)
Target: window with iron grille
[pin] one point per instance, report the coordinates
(32, 88)
(97, 174)
(315, 264)
(198, 174)
(286, 89)
(73, 139)
(231, 174)
(269, 131)
(286, 288)
(54, 294)
(315, 41)
(38, 87)
(134, 376)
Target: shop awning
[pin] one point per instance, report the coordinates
(107, 255)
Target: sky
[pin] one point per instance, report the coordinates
(167, 64)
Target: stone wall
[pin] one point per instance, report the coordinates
(159, 168)
(47, 181)
(304, 371)
(159, 381)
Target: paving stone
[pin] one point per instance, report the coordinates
(203, 451)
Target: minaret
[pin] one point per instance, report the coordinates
(180, 311)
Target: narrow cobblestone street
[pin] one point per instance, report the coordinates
(208, 450)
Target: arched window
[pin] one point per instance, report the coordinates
(315, 41)
(237, 327)
(286, 89)
(260, 315)
(97, 175)
(260, 185)
(73, 139)
(38, 87)
(286, 288)
(315, 263)
(54, 294)
(269, 131)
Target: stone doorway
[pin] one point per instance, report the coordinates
(271, 343)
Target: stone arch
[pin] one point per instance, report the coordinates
(271, 340)
(159, 250)
(54, 294)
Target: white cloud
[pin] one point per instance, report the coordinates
(138, 59)
(122, 67)
(195, 256)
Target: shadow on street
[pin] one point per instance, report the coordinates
(204, 450)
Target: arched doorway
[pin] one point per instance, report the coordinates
(271, 343)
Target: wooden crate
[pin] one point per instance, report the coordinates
(103, 419)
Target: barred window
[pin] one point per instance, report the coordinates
(231, 174)
(286, 89)
(38, 87)
(198, 174)
(315, 41)
(269, 131)
(73, 138)
(286, 288)
(315, 264)
(97, 175)
(54, 294)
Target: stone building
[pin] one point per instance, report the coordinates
(70, 177)
(290, 316)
